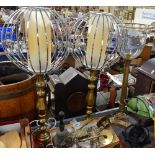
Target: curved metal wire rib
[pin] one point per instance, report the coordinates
(19, 26)
(95, 40)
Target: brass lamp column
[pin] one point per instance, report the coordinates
(124, 84)
(121, 118)
(90, 98)
(43, 136)
(121, 115)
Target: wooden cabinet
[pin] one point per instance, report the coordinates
(145, 82)
(146, 53)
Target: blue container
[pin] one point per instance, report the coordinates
(7, 34)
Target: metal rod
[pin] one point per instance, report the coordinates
(124, 85)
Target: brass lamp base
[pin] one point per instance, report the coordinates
(42, 139)
(42, 136)
(121, 119)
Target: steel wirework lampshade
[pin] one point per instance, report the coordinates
(134, 40)
(97, 36)
(35, 39)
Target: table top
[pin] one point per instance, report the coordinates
(117, 128)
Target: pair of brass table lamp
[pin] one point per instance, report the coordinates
(41, 33)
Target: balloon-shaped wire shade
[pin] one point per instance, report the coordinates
(35, 39)
(134, 41)
(96, 38)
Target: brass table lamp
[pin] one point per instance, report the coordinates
(40, 46)
(133, 43)
(135, 38)
(91, 39)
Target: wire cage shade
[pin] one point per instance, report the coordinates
(95, 39)
(35, 39)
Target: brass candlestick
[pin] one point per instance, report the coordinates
(90, 98)
(42, 136)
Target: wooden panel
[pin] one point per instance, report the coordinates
(143, 84)
(146, 53)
